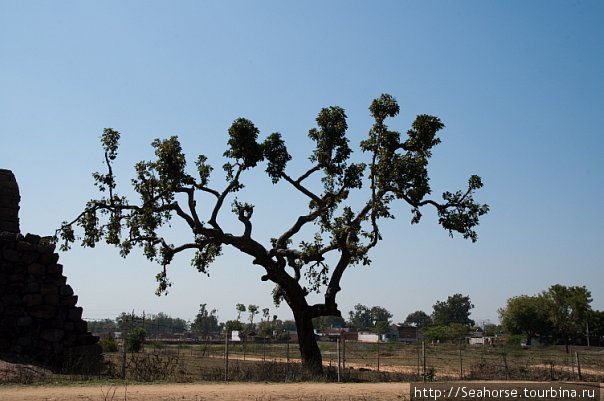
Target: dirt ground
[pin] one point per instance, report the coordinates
(207, 392)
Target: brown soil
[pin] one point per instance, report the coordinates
(206, 392)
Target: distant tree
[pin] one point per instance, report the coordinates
(289, 325)
(394, 168)
(327, 322)
(381, 327)
(253, 311)
(364, 318)
(380, 315)
(360, 317)
(456, 309)
(568, 309)
(108, 343)
(266, 314)
(240, 308)
(438, 332)
(206, 322)
(491, 330)
(136, 339)
(457, 331)
(595, 324)
(103, 326)
(418, 319)
(231, 325)
(527, 315)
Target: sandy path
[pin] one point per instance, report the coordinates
(206, 392)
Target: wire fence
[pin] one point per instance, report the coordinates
(267, 359)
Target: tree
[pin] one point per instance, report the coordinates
(394, 168)
(135, 340)
(527, 315)
(231, 325)
(240, 308)
(596, 327)
(568, 309)
(437, 332)
(328, 322)
(364, 318)
(456, 309)
(266, 314)
(253, 311)
(418, 319)
(206, 322)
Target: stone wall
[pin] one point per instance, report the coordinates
(39, 319)
(9, 202)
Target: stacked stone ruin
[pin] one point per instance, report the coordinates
(39, 319)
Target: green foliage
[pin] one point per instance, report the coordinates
(136, 339)
(276, 154)
(418, 319)
(561, 313)
(243, 145)
(456, 309)
(526, 315)
(327, 322)
(102, 326)
(568, 309)
(252, 311)
(240, 308)
(364, 318)
(232, 325)
(436, 333)
(108, 343)
(206, 322)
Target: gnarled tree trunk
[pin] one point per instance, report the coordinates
(309, 350)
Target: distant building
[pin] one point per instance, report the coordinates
(409, 334)
(367, 337)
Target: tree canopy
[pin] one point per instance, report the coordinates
(456, 309)
(418, 319)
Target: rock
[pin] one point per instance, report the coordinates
(11, 255)
(36, 268)
(32, 299)
(54, 269)
(66, 290)
(75, 314)
(52, 335)
(49, 258)
(43, 311)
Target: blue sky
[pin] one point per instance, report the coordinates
(519, 86)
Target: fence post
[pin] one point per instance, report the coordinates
(378, 355)
(264, 350)
(578, 365)
(124, 341)
(460, 362)
(343, 353)
(418, 358)
(287, 352)
(505, 363)
(424, 358)
(338, 356)
(226, 355)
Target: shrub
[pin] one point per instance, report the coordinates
(108, 343)
(136, 339)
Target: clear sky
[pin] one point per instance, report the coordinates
(519, 85)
